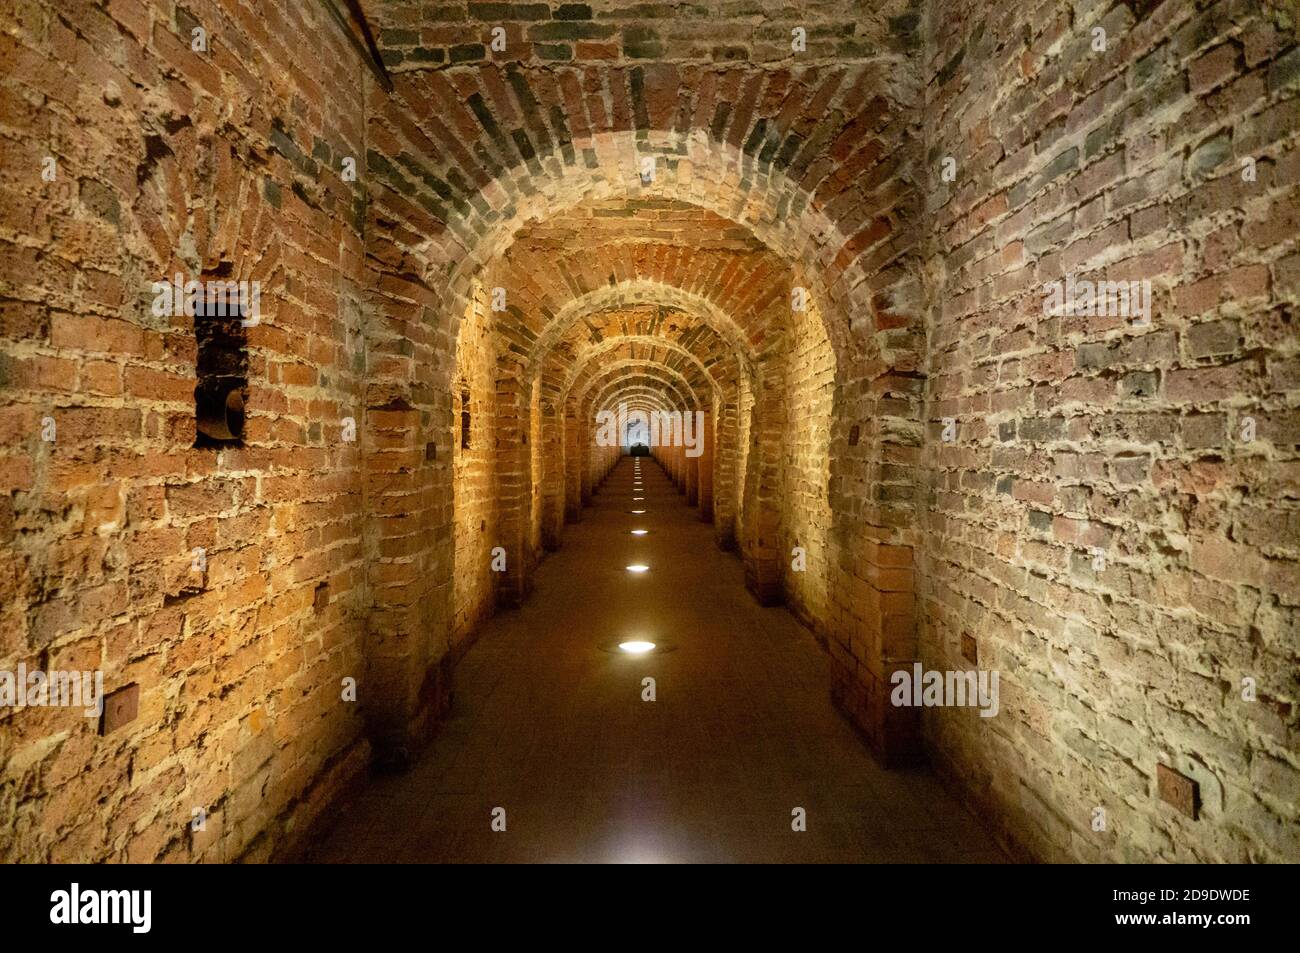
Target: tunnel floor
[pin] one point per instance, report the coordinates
(551, 726)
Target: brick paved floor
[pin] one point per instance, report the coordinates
(553, 729)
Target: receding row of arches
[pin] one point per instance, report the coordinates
(626, 360)
(695, 291)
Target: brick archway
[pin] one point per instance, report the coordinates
(542, 312)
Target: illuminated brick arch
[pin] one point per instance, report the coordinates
(696, 169)
(559, 464)
(602, 389)
(823, 208)
(643, 292)
(629, 346)
(698, 383)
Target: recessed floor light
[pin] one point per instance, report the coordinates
(639, 532)
(637, 499)
(639, 647)
(638, 567)
(636, 512)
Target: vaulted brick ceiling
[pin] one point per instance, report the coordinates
(555, 265)
(1105, 511)
(485, 151)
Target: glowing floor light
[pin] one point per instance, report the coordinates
(638, 567)
(636, 648)
(639, 532)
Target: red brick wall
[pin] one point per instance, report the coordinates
(806, 508)
(668, 286)
(475, 478)
(1082, 432)
(224, 161)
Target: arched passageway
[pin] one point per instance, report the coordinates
(313, 324)
(713, 760)
(688, 280)
(662, 261)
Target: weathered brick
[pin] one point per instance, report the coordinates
(1156, 195)
(471, 426)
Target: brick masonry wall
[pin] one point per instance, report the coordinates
(807, 518)
(535, 476)
(225, 584)
(734, 530)
(506, 161)
(422, 35)
(1104, 524)
(645, 183)
(474, 477)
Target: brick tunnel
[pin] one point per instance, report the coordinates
(960, 339)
